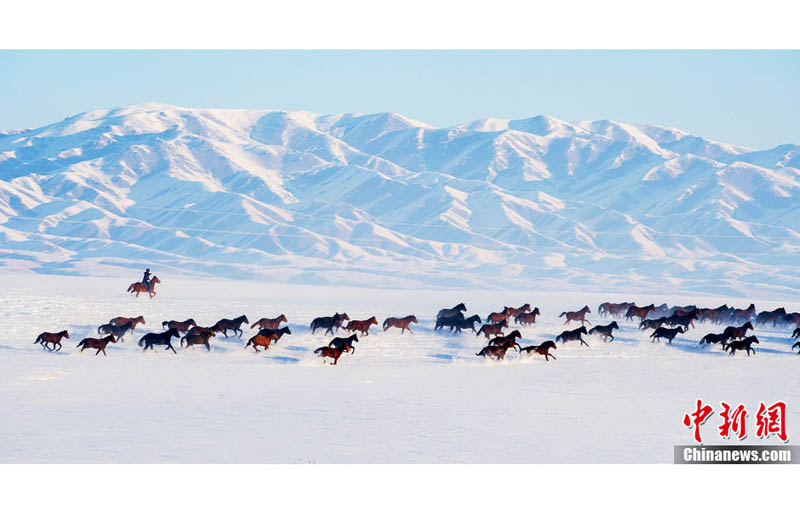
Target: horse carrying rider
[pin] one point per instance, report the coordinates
(146, 278)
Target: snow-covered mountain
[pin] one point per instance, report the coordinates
(381, 199)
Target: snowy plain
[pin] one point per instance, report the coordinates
(400, 398)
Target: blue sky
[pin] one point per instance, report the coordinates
(744, 97)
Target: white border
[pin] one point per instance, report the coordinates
(414, 24)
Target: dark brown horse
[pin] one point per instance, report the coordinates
(652, 323)
(767, 316)
(117, 331)
(181, 326)
(361, 325)
(50, 338)
(527, 318)
(402, 323)
(572, 335)
(745, 344)
(328, 352)
(235, 325)
(138, 287)
(198, 338)
(738, 332)
(541, 349)
(200, 330)
(605, 331)
(344, 343)
(97, 344)
(269, 323)
(709, 339)
(492, 329)
(577, 315)
(666, 333)
(510, 340)
(639, 312)
(496, 352)
(162, 339)
(449, 313)
(121, 320)
(261, 340)
(513, 312)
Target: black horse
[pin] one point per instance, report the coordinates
(605, 331)
(329, 323)
(116, 331)
(572, 335)
(722, 339)
(745, 344)
(449, 313)
(223, 325)
(667, 333)
(163, 338)
(280, 332)
(344, 343)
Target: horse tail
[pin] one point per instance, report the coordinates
(38, 339)
(164, 324)
(796, 345)
(141, 342)
(385, 321)
(562, 314)
(80, 343)
(318, 350)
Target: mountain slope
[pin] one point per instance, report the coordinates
(381, 199)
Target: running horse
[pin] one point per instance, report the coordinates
(122, 320)
(527, 318)
(577, 315)
(361, 325)
(449, 313)
(96, 344)
(541, 349)
(402, 323)
(51, 338)
(139, 287)
(269, 322)
(639, 312)
(513, 312)
(614, 309)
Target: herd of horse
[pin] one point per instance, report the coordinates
(667, 322)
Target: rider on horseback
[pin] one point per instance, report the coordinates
(146, 278)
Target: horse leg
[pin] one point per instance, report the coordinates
(169, 347)
(59, 347)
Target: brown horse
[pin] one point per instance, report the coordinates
(496, 352)
(361, 325)
(138, 287)
(747, 314)
(614, 309)
(50, 338)
(493, 329)
(496, 317)
(402, 323)
(541, 349)
(572, 335)
(577, 315)
(513, 312)
(198, 338)
(269, 323)
(223, 325)
(510, 340)
(180, 326)
(328, 352)
(261, 340)
(639, 312)
(767, 316)
(98, 344)
(527, 318)
(122, 320)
